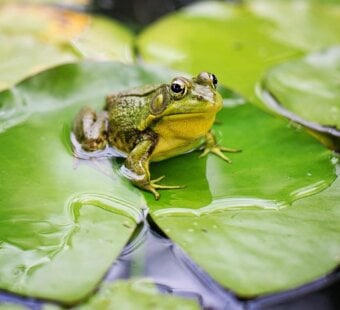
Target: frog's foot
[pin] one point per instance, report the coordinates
(218, 150)
(153, 186)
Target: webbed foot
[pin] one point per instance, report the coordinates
(218, 150)
(212, 147)
(153, 186)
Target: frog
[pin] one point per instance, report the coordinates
(153, 123)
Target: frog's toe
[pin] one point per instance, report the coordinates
(205, 152)
(219, 152)
(154, 184)
(151, 189)
(229, 150)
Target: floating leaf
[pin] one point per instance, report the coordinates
(253, 250)
(278, 164)
(236, 222)
(307, 91)
(238, 42)
(57, 211)
(38, 37)
(63, 221)
(9, 306)
(136, 294)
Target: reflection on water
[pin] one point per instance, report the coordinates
(150, 254)
(158, 258)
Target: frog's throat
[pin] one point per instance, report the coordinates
(146, 123)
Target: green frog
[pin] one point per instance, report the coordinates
(152, 123)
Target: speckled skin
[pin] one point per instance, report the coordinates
(152, 123)
(127, 111)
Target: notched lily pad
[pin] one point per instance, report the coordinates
(254, 252)
(307, 91)
(63, 221)
(57, 212)
(239, 41)
(240, 222)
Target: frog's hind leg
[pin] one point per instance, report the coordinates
(90, 129)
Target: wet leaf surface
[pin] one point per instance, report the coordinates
(278, 164)
(141, 294)
(256, 251)
(307, 91)
(239, 42)
(63, 206)
(62, 220)
(38, 37)
(227, 226)
(237, 222)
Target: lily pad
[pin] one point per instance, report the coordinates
(253, 251)
(278, 164)
(239, 42)
(136, 294)
(38, 37)
(237, 221)
(57, 211)
(63, 221)
(9, 306)
(307, 91)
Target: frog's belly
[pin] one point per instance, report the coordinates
(179, 134)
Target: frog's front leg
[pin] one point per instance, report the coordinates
(211, 146)
(136, 166)
(90, 129)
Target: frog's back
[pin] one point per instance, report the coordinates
(126, 111)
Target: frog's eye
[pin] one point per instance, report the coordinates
(207, 78)
(214, 80)
(178, 88)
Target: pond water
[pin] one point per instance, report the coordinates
(152, 255)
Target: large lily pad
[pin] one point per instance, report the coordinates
(277, 165)
(253, 251)
(307, 91)
(57, 212)
(236, 221)
(229, 225)
(63, 222)
(238, 42)
(38, 37)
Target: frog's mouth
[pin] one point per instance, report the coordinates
(187, 115)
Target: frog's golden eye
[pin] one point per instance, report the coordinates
(178, 88)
